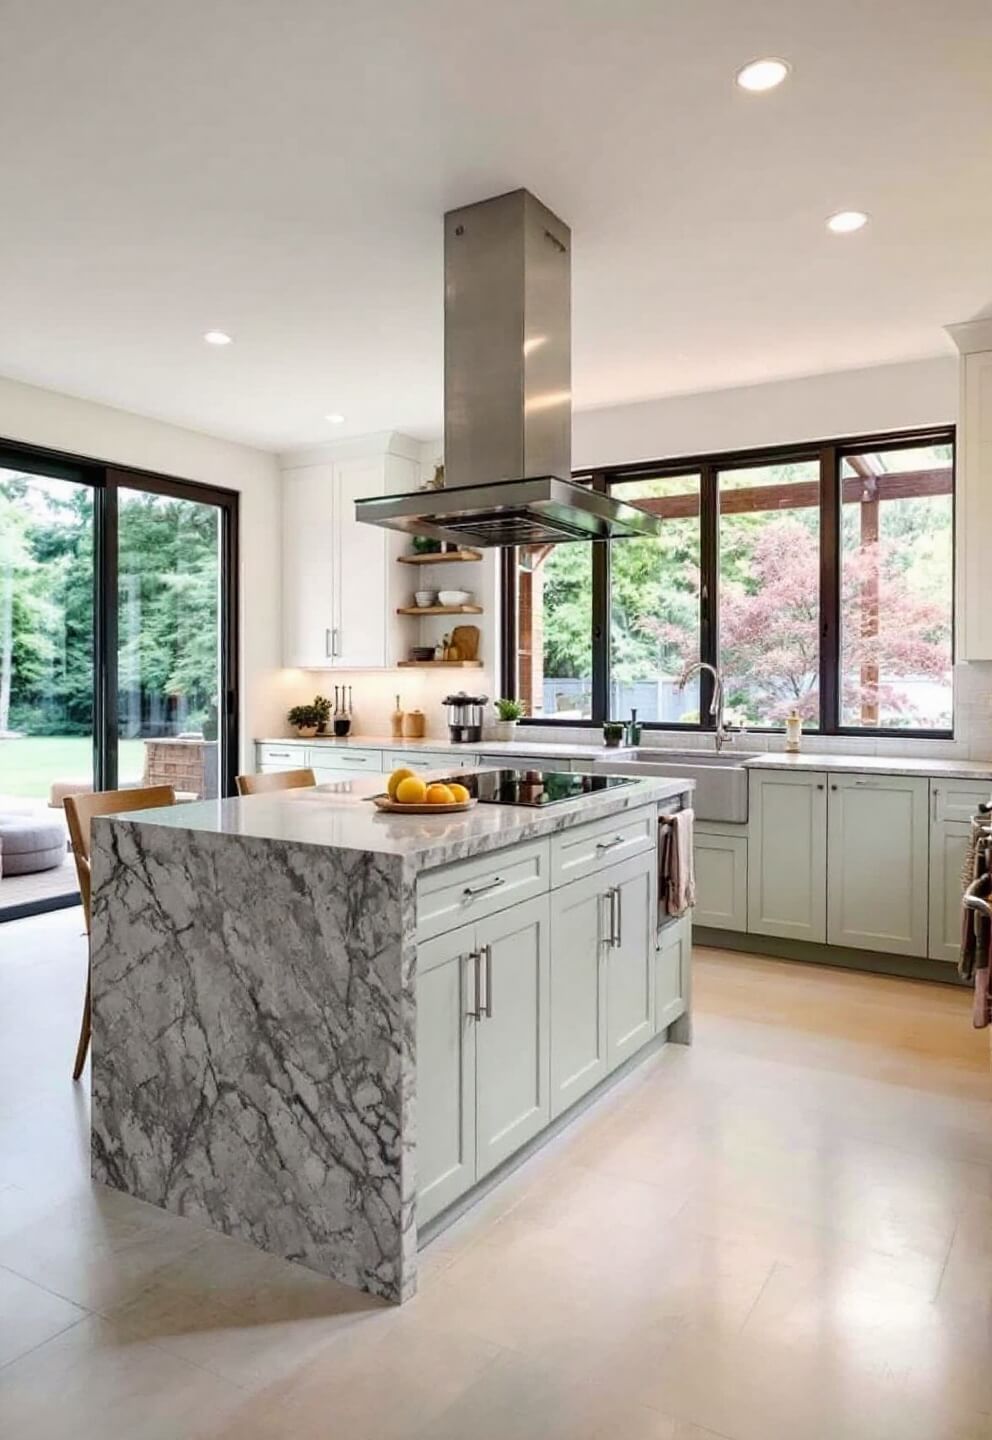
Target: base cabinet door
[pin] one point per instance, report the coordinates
(446, 1045)
(948, 846)
(877, 863)
(632, 887)
(578, 990)
(721, 880)
(671, 971)
(513, 1037)
(787, 856)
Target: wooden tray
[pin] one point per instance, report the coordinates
(383, 802)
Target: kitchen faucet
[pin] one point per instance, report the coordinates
(723, 734)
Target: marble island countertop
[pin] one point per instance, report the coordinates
(340, 815)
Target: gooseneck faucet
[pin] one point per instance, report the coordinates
(723, 735)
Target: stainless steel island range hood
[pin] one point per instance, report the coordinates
(507, 392)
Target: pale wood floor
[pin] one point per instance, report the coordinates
(784, 1233)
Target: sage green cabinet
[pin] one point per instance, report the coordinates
(787, 855)
(630, 956)
(720, 852)
(579, 939)
(877, 852)
(948, 847)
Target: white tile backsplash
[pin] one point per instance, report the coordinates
(972, 730)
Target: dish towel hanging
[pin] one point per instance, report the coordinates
(676, 871)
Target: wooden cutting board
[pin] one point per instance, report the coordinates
(465, 639)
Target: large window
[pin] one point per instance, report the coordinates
(818, 578)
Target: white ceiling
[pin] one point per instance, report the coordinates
(279, 171)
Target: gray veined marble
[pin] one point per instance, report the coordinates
(254, 1022)
(253, 1044)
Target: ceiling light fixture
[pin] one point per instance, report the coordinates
(844, 222)
(217, 337)
(761, 75)
(334, 419)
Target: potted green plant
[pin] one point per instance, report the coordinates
(323, 708)
(304, 719)
(612, 734)
(508, 713)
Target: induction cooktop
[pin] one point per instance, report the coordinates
(536, 787)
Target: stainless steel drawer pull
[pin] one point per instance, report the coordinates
(611, 844)
(470, 891)
(619, 895)
(613, 895)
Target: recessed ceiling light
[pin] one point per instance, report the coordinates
(762, 74)
(846, 220)
(334, 419)
(217, 337)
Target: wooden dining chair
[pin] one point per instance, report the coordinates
(276, 780)
(80, 810)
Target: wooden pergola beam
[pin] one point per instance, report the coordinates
(907, 485)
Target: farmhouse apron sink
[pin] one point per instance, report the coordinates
(721, 780)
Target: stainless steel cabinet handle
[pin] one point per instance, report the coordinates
(476, 958)
(936, 792)
(328, 643)
(867, 784)
(619, 895)
(487, 950)
(335, 642)
(610, 844)
(614, 895)
(471, 891)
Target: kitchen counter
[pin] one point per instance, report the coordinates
(436, 743)
(254, 1001)
(873, 765)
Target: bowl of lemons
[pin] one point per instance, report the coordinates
(407, 793)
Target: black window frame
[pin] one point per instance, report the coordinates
(106, 479)
(829, 454)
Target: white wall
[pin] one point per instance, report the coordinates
(98, 432)
(847, 402)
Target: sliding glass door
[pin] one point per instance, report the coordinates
(169, 642)
(118, 645)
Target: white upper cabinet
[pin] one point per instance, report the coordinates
(877, 857)
(787, 859)
(974, 489)
(339, 581)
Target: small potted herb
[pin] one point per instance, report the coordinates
(323, 707)
(509, 712)
(304, 720)
(612, 734)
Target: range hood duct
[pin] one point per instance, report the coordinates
(507, 392)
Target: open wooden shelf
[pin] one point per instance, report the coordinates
(450, 557)
(439, 610)
(440, 664)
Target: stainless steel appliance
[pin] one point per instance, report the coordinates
(507, 392)
(464, 714)
(536, 787)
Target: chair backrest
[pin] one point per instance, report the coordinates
(81, 809)
(275, 780)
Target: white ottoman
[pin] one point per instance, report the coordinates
(29, 844)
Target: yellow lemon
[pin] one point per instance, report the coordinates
(458, 793)
(411, 791)
(439, 795)
(393, 783)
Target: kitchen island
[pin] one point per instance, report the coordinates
(276, 977)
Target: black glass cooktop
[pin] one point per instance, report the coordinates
(535, 787)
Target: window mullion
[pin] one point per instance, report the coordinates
(709, 598)
(829, 590)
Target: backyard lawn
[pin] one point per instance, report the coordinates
(28, 765)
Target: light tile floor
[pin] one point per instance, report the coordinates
(784, 1233)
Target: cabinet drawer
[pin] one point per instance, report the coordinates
(448, 760)
(281, 757)
(455, 894)
(584, 850)
(328, 757)
(958, 799)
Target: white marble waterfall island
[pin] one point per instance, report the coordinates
(266, 970)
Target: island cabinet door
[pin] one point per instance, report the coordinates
(512, 1039)
(948, 848)
(671, 970)
(578, 990)
(787, 856)
(878, 862)
(446, 1036)
(630, 956)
